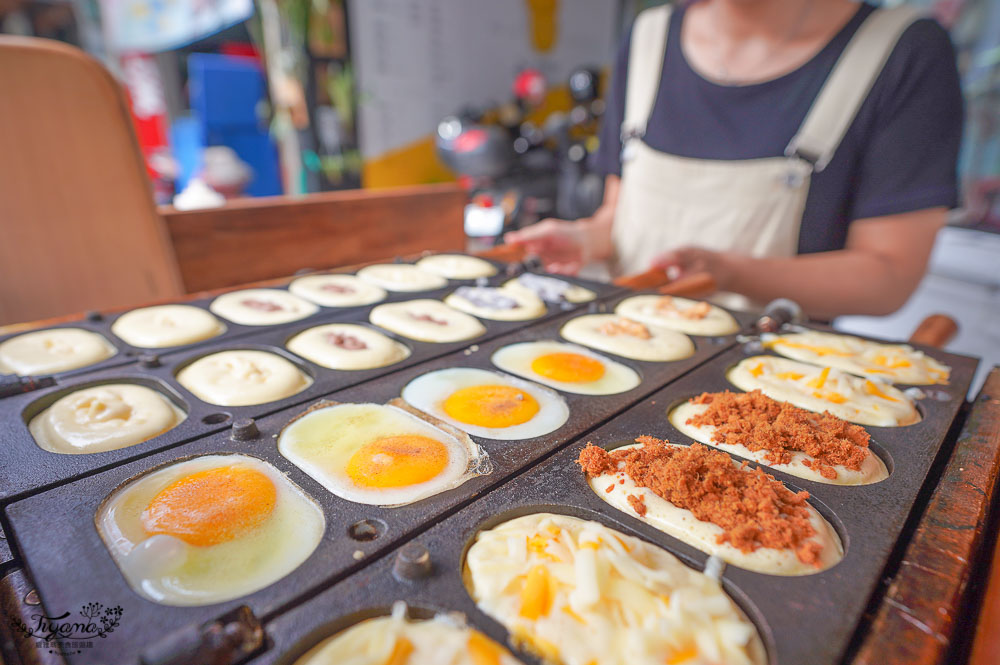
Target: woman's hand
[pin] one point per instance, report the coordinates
(687, 261)
(558, 243)
(565, 247)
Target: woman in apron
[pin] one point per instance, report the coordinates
(796, 148)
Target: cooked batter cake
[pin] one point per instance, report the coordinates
(166, 325)
(52, 351)
(627, 338)
(705, 498)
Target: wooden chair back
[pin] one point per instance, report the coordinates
(78, 227)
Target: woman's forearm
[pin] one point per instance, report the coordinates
(597, 227)
(825, 285)
(883, 262)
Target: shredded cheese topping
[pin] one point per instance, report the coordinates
(568, 589)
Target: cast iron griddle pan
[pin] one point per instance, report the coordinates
(805, 620)
(101, 322)
(25, 468)
(6, 556)
(56, 534)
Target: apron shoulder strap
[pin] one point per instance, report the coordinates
(645, 65)
(848, 85)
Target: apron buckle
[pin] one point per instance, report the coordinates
(628, 147)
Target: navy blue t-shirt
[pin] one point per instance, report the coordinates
(899, 154)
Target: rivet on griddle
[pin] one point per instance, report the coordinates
(149, 361)
(413, 562)
(482, 281)
(366, 530)
(244, 429)
(93, 316)
(31, 598)
(229, 638)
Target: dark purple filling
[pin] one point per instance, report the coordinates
(262, 305)
(486, 297)
(337, 288)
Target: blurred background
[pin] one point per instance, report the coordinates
(256, 98)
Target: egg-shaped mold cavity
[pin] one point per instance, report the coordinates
(817, 447)
(53, 351)
(537, 575)
(488, 404)
(208, 529)
(418, 634)
(347, 346)
(380, 454)
(167, 326)
(244, 376)
(625, 338)
(262, 307)
(675, 489)
(99, 416)
(567, 367)
(818, 389)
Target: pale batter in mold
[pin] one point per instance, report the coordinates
(401, 277)
(337, 290)
(104, 417)
(52, 351)
(457, 266)
(488, 302)
(347, 346)
(262, 307)
(895, 363)
(687, 316)
(627, 338)
(862, 401)
(243, 377)
(426, 321)
(166, 325)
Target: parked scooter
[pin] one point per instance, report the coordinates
(517, 171)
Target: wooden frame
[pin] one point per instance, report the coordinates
(249, 240)
(926, 605)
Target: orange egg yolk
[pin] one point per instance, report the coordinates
(212, 506)
(568, 367)
(397, 461)
(491, 406)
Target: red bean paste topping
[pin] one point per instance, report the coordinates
(337, 288)
(699, 310)
(261, 305)
(758, 422)
(623, 326)
(753, 509)
(428, 319)
(345, 341)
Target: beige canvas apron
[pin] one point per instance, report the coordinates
(752, 206)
